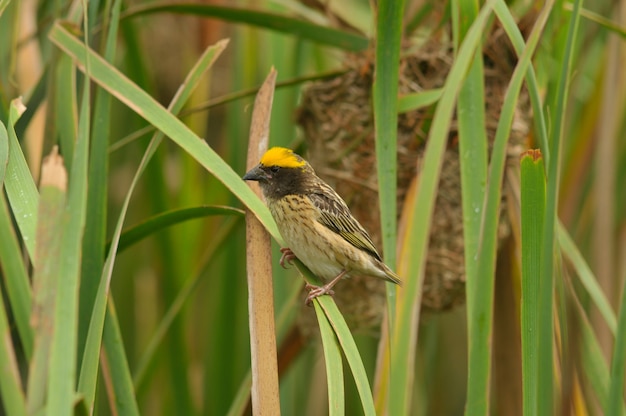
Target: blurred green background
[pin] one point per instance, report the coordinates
(180, 292)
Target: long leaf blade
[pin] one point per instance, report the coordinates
(480, 306)
(546, 360)
(615, 400)
(297, 27)
(62, 375)
(350, 351)
(17, 286)
(19, 184)
(334, 366)
(533, 195)
(413, 255)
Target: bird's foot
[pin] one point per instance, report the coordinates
(316, 291)
(287, 256)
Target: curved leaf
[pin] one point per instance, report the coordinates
(273, 21)
(167, 219)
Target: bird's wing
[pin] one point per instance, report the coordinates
(335, 214)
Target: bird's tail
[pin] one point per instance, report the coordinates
(391, 276)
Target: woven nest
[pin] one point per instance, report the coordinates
(336, 116)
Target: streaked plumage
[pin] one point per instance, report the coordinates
(315, 222)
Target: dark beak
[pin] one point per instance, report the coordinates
(255, 174)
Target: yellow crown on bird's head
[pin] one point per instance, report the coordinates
(282, 157)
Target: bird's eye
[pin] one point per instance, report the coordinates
(275, 169)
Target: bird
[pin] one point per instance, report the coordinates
(315, 222)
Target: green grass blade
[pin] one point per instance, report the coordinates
(413, 256)
(418, 17)
(203, 64)
(16, 281)
(599, 19)
(88, 376)
(9, 33)
(473, 164)
(546, 330)
(97, 192)
(514, 34)
(18, 291)
(115, 366)
(11, 390)
(342, 332)
(389, 26)
(242, 398)
(297, 27)
(4, 152)
(65, 111)
(3, 5)
(417, 100)
(167, 219)
(350, 351)
(34, 102)
(334, 365)
(472, 142)
(586, 276)
(19, 184)
(17, 286)
(480, 301)
(241, 401)
(615, 401)
(138, 100)
(385, 101)
(62, 376)
(473, 170)
(472, 148)
(593, 363)
(533, 204)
